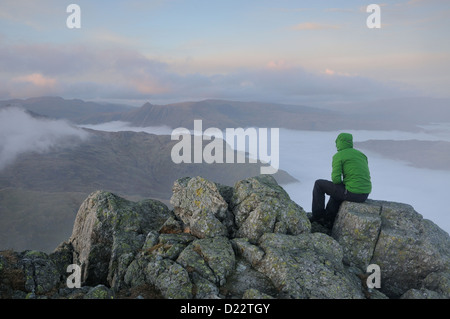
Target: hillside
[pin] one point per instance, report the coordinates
(417, 110)
(74, 110)
(40, 192)
(31, 219)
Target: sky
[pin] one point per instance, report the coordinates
(164, 51)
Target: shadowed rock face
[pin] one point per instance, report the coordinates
(246, 241)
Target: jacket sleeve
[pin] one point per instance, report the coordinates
(336, 173)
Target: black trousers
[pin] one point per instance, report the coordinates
(338, 193)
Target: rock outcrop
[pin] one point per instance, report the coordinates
(107, 233)
(261, 206)
(246, 241)
(394, 236)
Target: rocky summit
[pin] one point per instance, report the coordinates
(247, 241)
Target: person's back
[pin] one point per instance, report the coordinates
(350, 181)
(350, 166)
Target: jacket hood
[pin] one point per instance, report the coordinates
(344, 141)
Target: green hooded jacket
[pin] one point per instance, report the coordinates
(350, 166)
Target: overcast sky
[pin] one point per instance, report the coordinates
(174, 50)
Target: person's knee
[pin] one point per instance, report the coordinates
(319, 182)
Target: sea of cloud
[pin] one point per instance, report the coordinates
(306, 155)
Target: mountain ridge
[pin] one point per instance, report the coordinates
(217, 113)
(59, 108)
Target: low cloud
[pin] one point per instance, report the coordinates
(21, 133)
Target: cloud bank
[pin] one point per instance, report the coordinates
(116, 72)
(20, 133)
(392, 180)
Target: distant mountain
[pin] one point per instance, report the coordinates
(421, 154)
(223, 114)
(413, 110)
(40, 192)
(75, 110)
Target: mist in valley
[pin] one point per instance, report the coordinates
(20, 132)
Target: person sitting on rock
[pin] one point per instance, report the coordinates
(350, 182)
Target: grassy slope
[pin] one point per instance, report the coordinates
(35, 219)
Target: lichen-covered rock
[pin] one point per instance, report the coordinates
(307, 266)
(155, 265)
(62, 257)
(73, 293)
(261, 206)
(171, 226)
(212, 258)
(245, 279)
(357, 228)
(203, 288)
(252, 253)
(169, 278)
(12, 277)
(41, 273)
(107, 233)
(99, 292)
(438, 282)
(421, 294)
(201, 207)
(255, 294)
(404, 250)
(28, 272)
(394, 236)
(173, 281)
